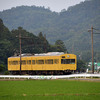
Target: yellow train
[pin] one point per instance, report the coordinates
(47, 63)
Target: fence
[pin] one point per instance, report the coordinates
(50, 77)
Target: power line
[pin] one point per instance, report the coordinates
(96, 33)
(96, 29)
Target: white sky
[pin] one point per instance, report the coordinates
(55, 5)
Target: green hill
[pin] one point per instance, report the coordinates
(71, 26)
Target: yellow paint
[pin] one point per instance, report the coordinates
(44, 66)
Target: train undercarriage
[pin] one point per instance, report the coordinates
(50, 72)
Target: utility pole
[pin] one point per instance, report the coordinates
(92, 50)
(92, 28)
(20, 51)
(20, 37)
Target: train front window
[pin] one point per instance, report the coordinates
(67, 61)
(56, 61)
(72, 61)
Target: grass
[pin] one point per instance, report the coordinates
(49, 90)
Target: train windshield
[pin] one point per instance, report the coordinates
(67, 61)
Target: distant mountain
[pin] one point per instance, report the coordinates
(71, 26)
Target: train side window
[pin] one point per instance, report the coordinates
(49, 61)
(9, 62)
(29, 62)
(14, 63)
(33, 61)
(23, 62)
(40, 61)
(36, 61)
(56, 61)
(18, 62)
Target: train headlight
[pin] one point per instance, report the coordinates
(68, 56)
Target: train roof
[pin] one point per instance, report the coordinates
(41, 54)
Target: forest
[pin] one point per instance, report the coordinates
(32, 44)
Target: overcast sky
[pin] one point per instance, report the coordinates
(55, 5)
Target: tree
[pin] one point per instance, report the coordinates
(81, 66)
(43, 42)
(40, 35)
(2, 67)
(60, 46)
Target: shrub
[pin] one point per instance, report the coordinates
(7, 73)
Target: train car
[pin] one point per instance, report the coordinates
(48, 63)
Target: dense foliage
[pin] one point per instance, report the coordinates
(71, 26)
(9, 44)
(81, 66)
